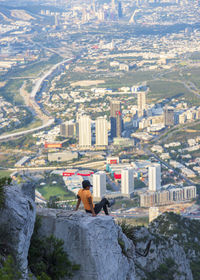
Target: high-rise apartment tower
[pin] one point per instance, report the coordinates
(99, 184)
(84, 131)
(169, 116)
(127, 181)
(68, 129)
(154, 177)
(116, 119)
(141, 102)
(101, 131)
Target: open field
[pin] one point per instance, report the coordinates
(129, 79)
(55, 190)
(184, 133)
(8, 160)
(188, 74)
(10, 91)
(33, 69)
(164, 89)
(5, 173)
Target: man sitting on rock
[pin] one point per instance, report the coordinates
(85, 196)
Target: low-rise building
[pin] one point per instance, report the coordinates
(167, 196)
(62, 156)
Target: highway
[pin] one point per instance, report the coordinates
(47, 121)
(22, 133)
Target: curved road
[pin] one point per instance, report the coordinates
(36, 88)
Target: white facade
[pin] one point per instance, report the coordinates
(155, 177)
(127, 181)
(99, 184)
(101, 131)
(84, 131)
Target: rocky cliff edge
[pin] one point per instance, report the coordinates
(97, 244)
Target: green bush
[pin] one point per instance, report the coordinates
(128, 230)
(9, 271)
(47, 258)
(3, 181)
(165, 271)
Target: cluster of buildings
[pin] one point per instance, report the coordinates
(157, 117)
(157, 195)
(85, 128)
(10, 116)
(97, 12)
(170, 195)
(73, 179)
(181, 156)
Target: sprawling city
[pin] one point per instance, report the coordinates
(106, 91)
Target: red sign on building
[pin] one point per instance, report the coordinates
(52, 145)
(113, 161)
(68, 174)
(117, 176)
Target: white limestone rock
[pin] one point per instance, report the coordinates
(17, 220)
(92, 242)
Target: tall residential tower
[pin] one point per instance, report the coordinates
(141, 102)
(154, 177)
(116, 119)
(99, 184)
(127, 181)
(84, 131)
(101, 131)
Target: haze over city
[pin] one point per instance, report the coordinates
(105, 91)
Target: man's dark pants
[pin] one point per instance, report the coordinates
(98, 206)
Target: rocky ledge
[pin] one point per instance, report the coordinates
(97, 244)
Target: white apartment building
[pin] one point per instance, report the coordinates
(141, 102)
(127, 181)
(154, 177)
(101, 131)
(84, 131)
(99, 184)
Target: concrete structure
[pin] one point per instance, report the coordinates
(68, 129)
(123, 142)
(127, 181)
(99, 184)
(62, 156)
(22, 161)
(169, 116)
(101, 131)
(170, 195)
(84, 131)
(141, 102)
(154, 177)
(116, 119)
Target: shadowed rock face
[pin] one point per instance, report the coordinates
(162, 249)
(97, 244)
(17, 220)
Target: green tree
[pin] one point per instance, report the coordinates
(3, 181)
(47, 257)
(9, 270)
